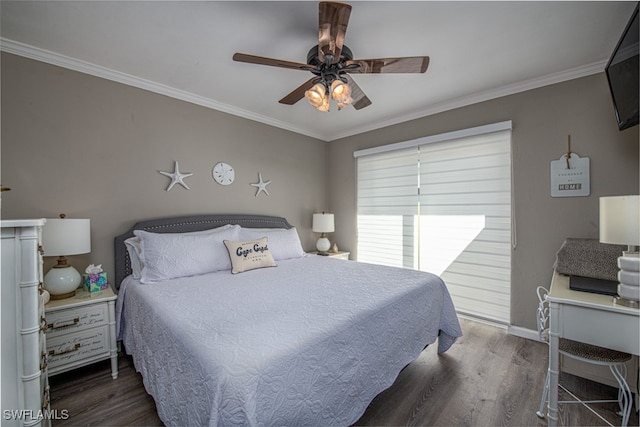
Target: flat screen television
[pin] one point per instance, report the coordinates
(622, 75)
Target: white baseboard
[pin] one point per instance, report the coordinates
(519, 331)
(481, 320)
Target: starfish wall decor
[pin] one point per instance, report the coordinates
(176, 177)
(261, 185)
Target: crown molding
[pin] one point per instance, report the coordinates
(27, 51)
(42, 55)
(499, 92)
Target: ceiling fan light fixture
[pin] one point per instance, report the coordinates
(318, 97)
(341, 105)
(341, 93)
(325, 104)
(316, 94)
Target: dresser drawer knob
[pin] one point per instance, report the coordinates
(66, 324)
(71, 350)
(45, 398)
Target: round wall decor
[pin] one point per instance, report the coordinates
(223, 173)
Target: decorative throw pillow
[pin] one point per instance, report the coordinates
(249, 255)
(170, 255)
(283, 243)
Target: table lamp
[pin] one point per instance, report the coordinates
(323, 223)
(620, 224)
(61, 237)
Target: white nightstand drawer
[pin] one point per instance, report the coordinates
(74, 347)
(76, 319)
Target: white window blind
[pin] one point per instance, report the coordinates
(387, 205)
(443, 205)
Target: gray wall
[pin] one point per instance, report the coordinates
(542, 119)
(91, 148)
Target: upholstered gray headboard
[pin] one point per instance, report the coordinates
(183, 224)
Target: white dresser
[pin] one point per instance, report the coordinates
(25, 388)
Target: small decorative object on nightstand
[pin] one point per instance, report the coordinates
(82, 330)
(323, 223)
(94, 279)
(61, 237)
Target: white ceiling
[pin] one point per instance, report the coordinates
(478, 50)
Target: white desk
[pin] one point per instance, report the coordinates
(589, 318)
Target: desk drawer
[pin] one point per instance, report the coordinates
(72, 348)
(604, 328)
(76, 319)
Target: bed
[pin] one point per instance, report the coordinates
(302, 340)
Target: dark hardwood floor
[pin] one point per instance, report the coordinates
(488, 378)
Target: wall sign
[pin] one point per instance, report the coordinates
(570, 176)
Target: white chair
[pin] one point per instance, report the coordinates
(615, 360)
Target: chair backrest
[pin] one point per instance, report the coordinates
(543, 314)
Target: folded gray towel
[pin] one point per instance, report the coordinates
(588, 258)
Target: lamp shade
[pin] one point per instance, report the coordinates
(65, 236)
(620, 219)
(322, 223)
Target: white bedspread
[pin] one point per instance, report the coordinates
(308, 343)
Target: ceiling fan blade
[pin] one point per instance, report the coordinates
(333, 21)
(261, 60)
(298, 93)
(411, 64)
(360, 100)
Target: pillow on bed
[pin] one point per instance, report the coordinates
(133, 247)
(166, 256)
(249, 255)
(283, 243)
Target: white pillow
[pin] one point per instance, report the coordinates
(249, 255)
(283, 243)
(133, 248)
(170, 255)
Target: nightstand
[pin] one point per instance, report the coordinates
(81, 330)
(339, 254)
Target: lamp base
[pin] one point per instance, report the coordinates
(62, 296)
(629, 276)
(62, 281)
(626, 302)
(323, 244)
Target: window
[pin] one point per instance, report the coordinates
(443, 204)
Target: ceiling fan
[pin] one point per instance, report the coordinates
(331, 63)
